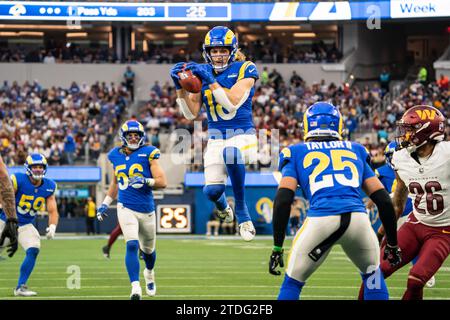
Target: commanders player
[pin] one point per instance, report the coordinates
(137, 172)
(9, 207)
(330, 173)
(386, 174)
(34, 193)
(422, 167)
(227, 90)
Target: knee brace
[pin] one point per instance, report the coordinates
(214, 191)
(232, 155)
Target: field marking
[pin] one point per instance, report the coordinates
(332, 297)
(217, 286)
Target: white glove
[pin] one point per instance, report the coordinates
(50, 231)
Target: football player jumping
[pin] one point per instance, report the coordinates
(422, 167)
(34, 193)
(137, 172)
(330, 172)
(227, 90)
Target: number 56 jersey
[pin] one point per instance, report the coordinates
(330, 174)
(427, 181)
(138, 197)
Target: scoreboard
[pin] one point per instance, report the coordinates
(174, 218)
(255, 11)
(112, 11)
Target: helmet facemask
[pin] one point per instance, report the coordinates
(216, 57)
(134, 139)
(37, 171)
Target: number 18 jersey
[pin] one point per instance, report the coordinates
(330, 174)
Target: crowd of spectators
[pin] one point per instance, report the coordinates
(66, 125)
(266, 52)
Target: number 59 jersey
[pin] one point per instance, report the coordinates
(330, 174)
(30, 199)
(428, 183)
(138, 197)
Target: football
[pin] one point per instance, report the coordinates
(190, 82)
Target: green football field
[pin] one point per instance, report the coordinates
(189, 268)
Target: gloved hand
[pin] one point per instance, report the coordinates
(276, 258)
(50, 231)
(203, 71)
(141, 180)
(11, 232)
(177, 68)
(393, 254)
(101, 212)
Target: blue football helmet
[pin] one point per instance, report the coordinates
(389, 151)
(132, 126)
(220, 37)
(322, 119)
(33, 160)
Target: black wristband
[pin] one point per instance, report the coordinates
(281, 212)
(387, 215)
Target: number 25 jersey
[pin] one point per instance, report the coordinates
(330, 174)
(427, 183)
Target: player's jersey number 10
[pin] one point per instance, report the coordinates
(123, 178)
(216, 109)
(317, 182)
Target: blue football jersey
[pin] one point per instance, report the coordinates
(330, 174)
(219, 119)
(387, 177)
(30, 199)
(138, 197)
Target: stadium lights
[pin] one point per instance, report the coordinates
(181, 35)
(305, 35)
(202, 28)
(284, 28)
(76, 34)
(175, 28)
(21, 33)
(133, 40)
(39, 27)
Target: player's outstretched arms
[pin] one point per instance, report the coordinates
(235, 97)
(53, 216)
(110, 196)
(8, 201)
(281, 211)
(375, 190)
(189, 103)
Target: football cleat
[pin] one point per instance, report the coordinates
(136, 293)
(150, 286)
(23, 291)
(226, 215)
(247, 230)
(106, 250)
(430, 283)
